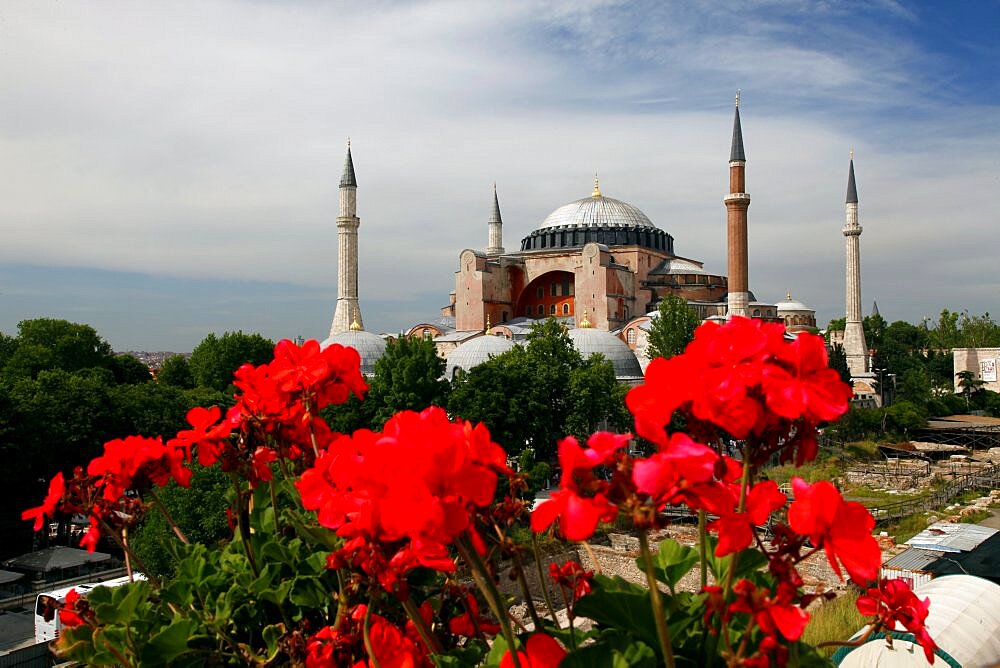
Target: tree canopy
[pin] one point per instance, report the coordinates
(214, 360)
(672, 328)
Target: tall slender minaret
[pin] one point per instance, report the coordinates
(854, 332)
(348, 310)
(495, 226)
(737, 203)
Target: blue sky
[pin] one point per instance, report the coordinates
(171, 169)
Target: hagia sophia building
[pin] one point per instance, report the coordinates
(597, 264)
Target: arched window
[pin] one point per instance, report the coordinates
(552, 309)
(426, 333)
(540, 292)
(541, 309)
(756, 313)
(631, 336)
(565, 308)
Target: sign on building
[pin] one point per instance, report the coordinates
(988, 370)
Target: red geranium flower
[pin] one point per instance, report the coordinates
(736, 529)
(541, 651)
(893, 602)
(209, 433)
(57, 487)
(842, 528)
(68, 614)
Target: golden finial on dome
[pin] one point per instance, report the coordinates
(788, 296)
(355, 325)
(584, 323)
(737, 98)
(487, 330)
(597, 187)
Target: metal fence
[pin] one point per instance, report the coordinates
(987, 478)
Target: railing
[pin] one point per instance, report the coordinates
(988, 478)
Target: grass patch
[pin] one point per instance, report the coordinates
(976, 517)
(863, 450)
(838, 619)
(908, 527)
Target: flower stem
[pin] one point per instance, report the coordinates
(425, 633)
(662, 633)
(485, 583)
(542, 582)
(243, 527)
(162, 507)
(523, 582)
(703, 548)
(366, 632)
(106, 528)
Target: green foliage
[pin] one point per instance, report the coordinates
(914, 385)
(57, 344)
(903, 417)
(176, 371)
(672, 329)
(200, 512)
(532, 396)
(128, 370)
(838, 362)
(214, 360)
(407, 377)
(150, 409)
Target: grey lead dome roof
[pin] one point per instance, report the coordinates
(370, 346)
(595, 212)
(589, 341)
(475, 352)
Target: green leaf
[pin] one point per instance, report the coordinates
(748, 562)
(620, 604)
(123, 601)
(170, 643)
(272, 634)
(496, 653)
(672, 562)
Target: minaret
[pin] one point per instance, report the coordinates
(495, 226)
(347, 251)
(854, 332)
(737, 203)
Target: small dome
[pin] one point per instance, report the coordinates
(677, 265)
(370, 346)
(474, 352)
(589, 341)
(597, 211)
(791, 305)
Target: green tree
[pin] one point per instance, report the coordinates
(979, 331)
(874, 327)
(215, 359)
(150, 409)
(409, 376)
(672, 328)
(128, 370)
(46, 343)
(837, 325)
(945, 335)
(176, 371)
(838, 362)
(532, 396)
(200, 512)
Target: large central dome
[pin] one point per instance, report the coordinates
(597, 212)
(599, 219)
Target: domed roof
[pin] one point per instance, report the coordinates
(597, 211)
(589, 341)
(791, 305)
(476, 351)
(370, 346)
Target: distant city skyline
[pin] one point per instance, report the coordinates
(171, 170)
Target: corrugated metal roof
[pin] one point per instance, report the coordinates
(913, 559)
(951, 537)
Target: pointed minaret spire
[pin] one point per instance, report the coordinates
(348, 179)
(736, 151)
(737, 202)
(495, 228)
(852, 187)
(854, 333)
(347, 252)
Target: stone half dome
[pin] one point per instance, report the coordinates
(599, 219)
(790, 305)
(589, 341)
(370, 347)
(474, 352)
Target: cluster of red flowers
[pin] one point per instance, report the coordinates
(402, 495)
(744, 380)
(278, 404)
(893, 602)
(572, 578)
(392, 647)
(134, 462)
